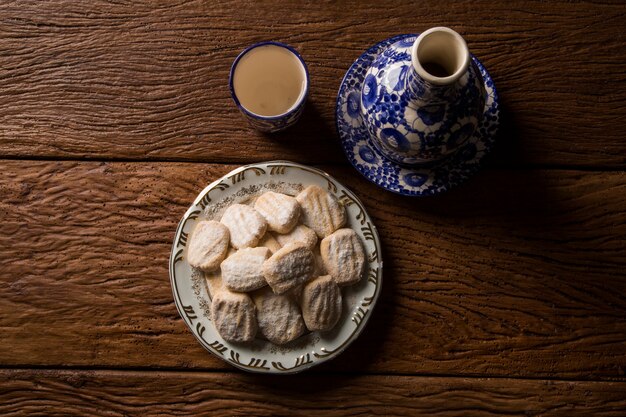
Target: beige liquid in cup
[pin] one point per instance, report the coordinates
(269, 80)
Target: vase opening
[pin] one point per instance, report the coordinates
(440, 56)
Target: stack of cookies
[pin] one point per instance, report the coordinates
(275, 267)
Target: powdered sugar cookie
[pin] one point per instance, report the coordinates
(280, 211)
(208, 245)
(320, 210)
(234, 316)
(301, 234)
(246, 226)
(279, 317)
(291, 266)
(321, 304)
(343, 256)
(243, 271)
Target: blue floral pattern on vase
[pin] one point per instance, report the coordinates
(370, 89)
(429, 121)
(407, 180)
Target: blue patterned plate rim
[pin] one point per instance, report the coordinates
(409, 181)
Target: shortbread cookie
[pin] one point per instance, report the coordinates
(271, 243)
(234, 316)
(321, 304)
(291, 266)
(214, 282)
(208, 245)
(321, 211)
(243, 271)
(279, 317)
(343, 256)
(300, 233)
(246, 226)
(280, 211)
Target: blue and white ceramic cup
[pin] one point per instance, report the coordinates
(269, 82)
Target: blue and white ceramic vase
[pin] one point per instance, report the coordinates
(422, 98)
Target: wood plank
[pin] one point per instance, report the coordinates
(117, 393)
(149, 81)
(519, 273)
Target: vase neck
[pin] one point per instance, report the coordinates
(423, 90)
(439, 58)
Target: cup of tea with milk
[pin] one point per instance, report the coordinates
(269, 82)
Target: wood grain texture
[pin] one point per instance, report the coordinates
(115, 393)
(519, 273)
(137, 80)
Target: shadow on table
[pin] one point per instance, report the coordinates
(509, 148)
(313, 136)
(506, 194)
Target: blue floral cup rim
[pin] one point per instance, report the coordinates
(295, 107)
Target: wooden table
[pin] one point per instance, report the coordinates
(505, 296)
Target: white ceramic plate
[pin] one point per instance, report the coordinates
(192, 297)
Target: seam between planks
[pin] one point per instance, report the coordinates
(138, 369)
(234, 163)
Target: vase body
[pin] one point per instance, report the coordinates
(416, 117)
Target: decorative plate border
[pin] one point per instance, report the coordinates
(263, 360)
(409, 181)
